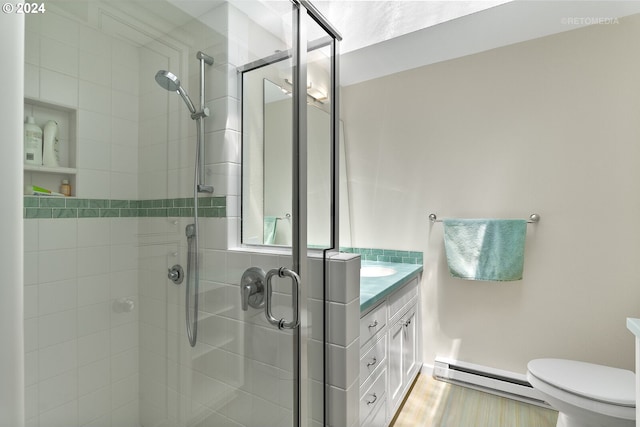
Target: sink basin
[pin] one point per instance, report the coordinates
(376, 271)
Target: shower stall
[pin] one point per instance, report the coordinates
(157, 187)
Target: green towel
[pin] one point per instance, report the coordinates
(269, 231)
(485, 249)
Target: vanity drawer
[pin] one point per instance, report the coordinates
(378, 419)
(402, 297)
(372, 322)
(373, 358)
(371, 400)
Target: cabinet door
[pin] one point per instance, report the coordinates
(396, 336)
(409, 345)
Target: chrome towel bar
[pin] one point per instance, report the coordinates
(533, 218)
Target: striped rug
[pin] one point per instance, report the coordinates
(433, 403)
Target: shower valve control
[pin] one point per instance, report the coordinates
(176, 274)
(252, 288)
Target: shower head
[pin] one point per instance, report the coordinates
(170, 82)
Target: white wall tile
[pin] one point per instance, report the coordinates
(124, 337)
(93, 289)
(57, 234)
(214, 266)
(225, 178)
(57, 359)
(56, 328)
(31, 334)
(125, 132)
(124, 365)
(31, 268)
(125, 159)
(93, 97)
(30, 301)
(60, 28)
(124, 391)
(62, 416)
(94, 232)
(94, 155)
(57, 390)
(93, 318)
(124, 230)
(95, 68)
(31, 81)
(30, 236)
(58, 56)
(215, 233)
(58, 88)
(93, 260)
(94, 405)
(103, 421)
(124, 104)
(123, 186)
(94, 41)
(32, 48)
(31, 403)
(123, 53)
(223, 146)
(93, 184)
(57, 296)
(344, 322)
(94, 126)
(31, 372)
(124, 284)
(92, 348)
(128, 74)
(126, 416)
(124, 257)
(93, 376)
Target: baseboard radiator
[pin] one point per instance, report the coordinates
(489, 380)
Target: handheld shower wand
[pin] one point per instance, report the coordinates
(170, 82)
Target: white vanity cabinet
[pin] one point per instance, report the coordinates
(402, 360)
(389, 354)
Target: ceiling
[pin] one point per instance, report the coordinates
(382, 37)
(366, 22)
(385, 37)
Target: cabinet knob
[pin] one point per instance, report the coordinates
(373, 361)
(374, 324)
(371, 402)
(406, 322)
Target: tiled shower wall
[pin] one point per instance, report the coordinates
(82, 348)
(105, 332)
(81, 352)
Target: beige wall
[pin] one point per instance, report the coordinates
(550, 126)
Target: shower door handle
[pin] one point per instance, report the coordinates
(295, 292)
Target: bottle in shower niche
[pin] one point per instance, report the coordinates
(50, 149)
(65, 187)
(32, 142)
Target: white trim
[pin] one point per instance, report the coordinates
(11, 222)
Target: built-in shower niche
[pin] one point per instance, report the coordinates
(66, 117)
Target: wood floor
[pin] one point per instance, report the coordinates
(434, 403)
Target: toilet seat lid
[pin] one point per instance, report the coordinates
(597, 382)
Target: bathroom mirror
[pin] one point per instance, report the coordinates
(267, 151)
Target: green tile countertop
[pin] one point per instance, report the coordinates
(375, 289)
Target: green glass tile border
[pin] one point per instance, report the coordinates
(386, 255)
(39, 207)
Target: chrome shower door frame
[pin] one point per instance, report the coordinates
(303, 12)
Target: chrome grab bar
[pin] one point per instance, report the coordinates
(295, 291)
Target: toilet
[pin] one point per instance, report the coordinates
(585, 394)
